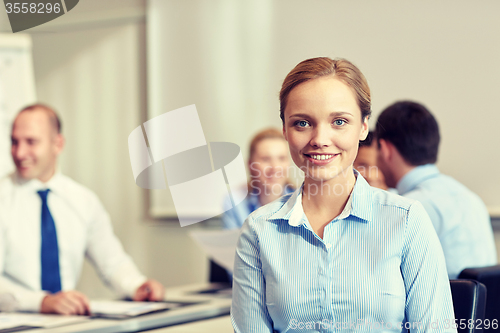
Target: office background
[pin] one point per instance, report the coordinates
(107, 66)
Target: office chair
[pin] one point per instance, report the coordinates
(218, 273)
(490, 277)
(469, 301)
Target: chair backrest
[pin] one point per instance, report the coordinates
(469, 301)
(490, 277)
(218, 273)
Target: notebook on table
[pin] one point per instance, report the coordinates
(128, 309)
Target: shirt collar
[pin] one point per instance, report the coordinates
(415, 177)
(359, 205)
(55, 184)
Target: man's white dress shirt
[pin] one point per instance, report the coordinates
(83, 230)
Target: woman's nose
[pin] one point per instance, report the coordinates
(321, 137)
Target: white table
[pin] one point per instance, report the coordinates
(212, 306)
(214, 325)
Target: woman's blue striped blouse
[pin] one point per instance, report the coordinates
(378, 268)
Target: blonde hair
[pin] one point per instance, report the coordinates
(342, 69)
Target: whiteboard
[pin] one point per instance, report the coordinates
(17, 88)
(230, 58)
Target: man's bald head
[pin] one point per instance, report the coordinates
(55, 121)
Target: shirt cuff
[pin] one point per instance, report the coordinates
(30, 301)
(130, 285)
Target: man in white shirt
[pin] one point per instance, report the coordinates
(49, 223)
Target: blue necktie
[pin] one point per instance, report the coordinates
(51, 279)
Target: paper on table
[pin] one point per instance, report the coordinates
(12, 320)
(122, 309)
(219, 245)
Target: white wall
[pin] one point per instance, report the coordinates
(230, 58)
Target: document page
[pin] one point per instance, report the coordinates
(125, 309)
(34, 320)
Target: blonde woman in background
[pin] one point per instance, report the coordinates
(268, 163)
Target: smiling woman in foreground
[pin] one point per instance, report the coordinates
(336, 254)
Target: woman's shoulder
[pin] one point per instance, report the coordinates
(387, 208)
(368, 197)
(391, 199)
(391, 209)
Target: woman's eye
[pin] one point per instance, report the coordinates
(339, 122)
(301, 123)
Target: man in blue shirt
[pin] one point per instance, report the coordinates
(408, 139)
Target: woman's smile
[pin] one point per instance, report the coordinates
(320, 159)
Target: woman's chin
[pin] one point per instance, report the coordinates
(325, 177)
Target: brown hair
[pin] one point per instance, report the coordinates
(54, 120)
(342, 69)
(268, 133)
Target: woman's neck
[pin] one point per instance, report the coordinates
(324, 200)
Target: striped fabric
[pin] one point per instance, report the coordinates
(378, 268)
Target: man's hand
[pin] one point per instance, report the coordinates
(151, 290)
(66, 303)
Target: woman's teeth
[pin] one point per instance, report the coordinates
(321, 157)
